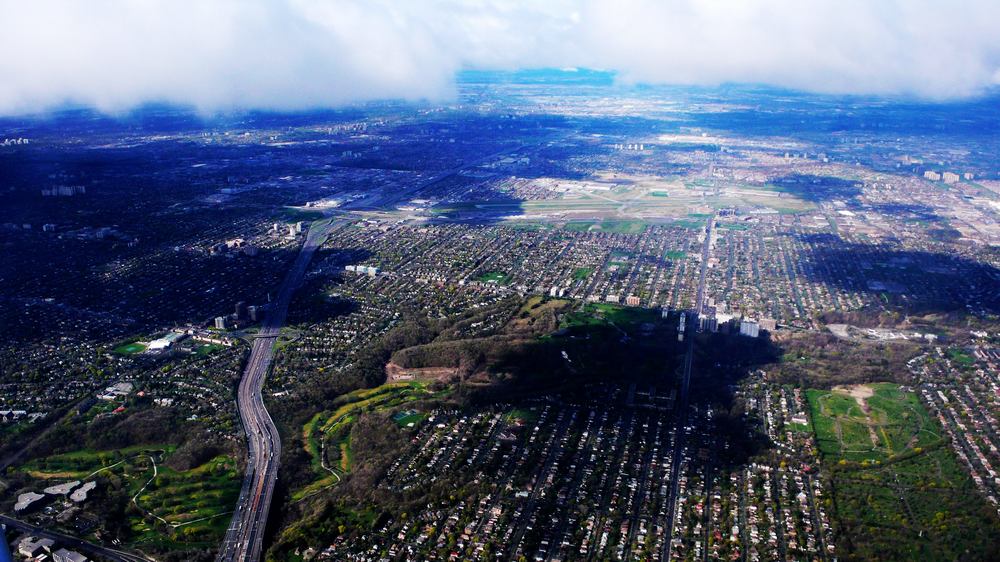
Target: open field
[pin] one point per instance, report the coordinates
(178, 508)
(130, 348)
(900, 494)
(593, 314)
(870, 422)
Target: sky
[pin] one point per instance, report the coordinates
(220, 55)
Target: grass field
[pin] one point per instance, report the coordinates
(494, 277)
(405, 418)
(208, 348)
(581, 273)
(130, 348)
(899, 491)
(330, 431)
(292, 214)
(675, 254)
(185, 508)
(895, 422)
(616, 226)
(594, 314)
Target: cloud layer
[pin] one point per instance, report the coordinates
(293, 54)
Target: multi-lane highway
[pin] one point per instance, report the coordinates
(245, 536)
(683, 398)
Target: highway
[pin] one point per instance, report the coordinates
(73, 543)
(245, 536)
(683, 399)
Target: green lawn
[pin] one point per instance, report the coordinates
(334, 428)
(494, 277)
(901, 495)
(896, 419)
(195, 504)
(595, 314)
(130, 348)
(581, 273)
(675, 254)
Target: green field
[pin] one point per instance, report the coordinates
(616, 226)
(899, 492)
(291, 214)
(173, 509)
(895, 423)
(581, 273)
(130, 348)
(675, 254)
(960, 357)
(405, 418)
(599, 313)
(208, 348)
(494, 277)
(332, 430)
(733, 226)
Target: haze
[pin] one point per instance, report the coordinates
(291, 54)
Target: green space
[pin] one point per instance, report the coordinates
(689, 224)
(494, 277)
(130, 348)
(207, 348)
(405, 418)
(599, 313)
(616, 226)
(524, 414)
(884, 425)
(733, 226)
(960, 357)
(327, 435)
(581, 273)
(899, 492)
(675, 254)
(172, 508)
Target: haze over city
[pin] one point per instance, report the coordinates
(289, 54)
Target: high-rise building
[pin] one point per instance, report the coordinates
(254, 312)
(709, 323)
(241, 310)
(749, 328)
(220, 322)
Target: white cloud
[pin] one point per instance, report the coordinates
(288, 54)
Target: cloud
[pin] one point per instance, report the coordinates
(293, 54)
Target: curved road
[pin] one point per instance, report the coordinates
(245, 536)
(80, 545)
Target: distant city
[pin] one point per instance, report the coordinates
(556, 318)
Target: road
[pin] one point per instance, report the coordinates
(683, 398)
(73, 543)
(245, 536)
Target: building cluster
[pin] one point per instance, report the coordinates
(962, 390)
